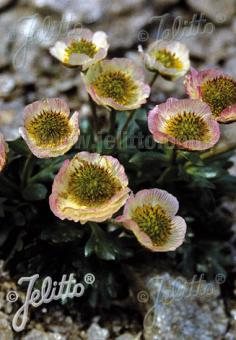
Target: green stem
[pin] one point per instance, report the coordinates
(129, 118)
(27, 170)
(112, 122)
(166, 172)
(94, 113)
(154, 78)
(219, 151)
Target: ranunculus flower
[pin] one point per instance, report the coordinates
(81, 48)
(48, 130)
(215, 88)
(3, 152)
(169, 58)
(187, 123)
(90, 187)
(150, 215)
(117, 83)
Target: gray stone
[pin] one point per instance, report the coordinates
(11, 115)
(183, 310)
(218, 11)
(96, 332)
(5, 328)
(7, 84)
(127, 30)
(40, 335)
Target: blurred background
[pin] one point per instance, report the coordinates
(28, 73)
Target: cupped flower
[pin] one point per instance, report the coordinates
(48, 130)
(150, 215)
(169, 58)
(90, 187)
(187, 123)
(117, 83)
(3, 152)
(215, 88)
(81, 48)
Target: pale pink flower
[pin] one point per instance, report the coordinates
(117, 83)
(187, 123)
(215, 88)
(151, 216)
(90, 187)
(169, 58)
(3, 152)
(81, 48)
(48, 130)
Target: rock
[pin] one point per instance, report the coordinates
(183, 310)
(128, 336)
(88, 11)
(5, 328)
(126, 30)
(11, 117)
(122, 6)
(221, 47)
(230, 66)
(40, 335)
(164, 3)
(96, 332)
(7, 84)
(218, 11)
(5, 3)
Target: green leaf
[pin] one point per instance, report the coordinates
(205, 172)
(141, 157)
(35, 192)
(193, 157)
(62, 232)
(19, 147)
(104, 245)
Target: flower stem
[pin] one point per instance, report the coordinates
(129, 118)
(113, 122)
(219, 151)
(27, 170)
(166, 172)
(154, 78)
(94, 113)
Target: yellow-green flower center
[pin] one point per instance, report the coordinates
(92, 185)
(117, 85)
(81, 46)
(187, 126)
(153, 221)
(49, 128)
(219, 94)
(168, 59)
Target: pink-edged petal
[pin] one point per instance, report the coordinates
(227, 115)
(49, 105)
(195, 79)
(177, 235)
(3, 152)
(122, 65)
(66, 208)
(159, 117)
(170, 205)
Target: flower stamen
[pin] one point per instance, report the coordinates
(116, 85)
(49, 128)
(168, 59)
(219, 93)
(81, 46)
(187, 126)
(154, 221)
(92, 185)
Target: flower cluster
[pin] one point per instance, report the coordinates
(91, 187)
